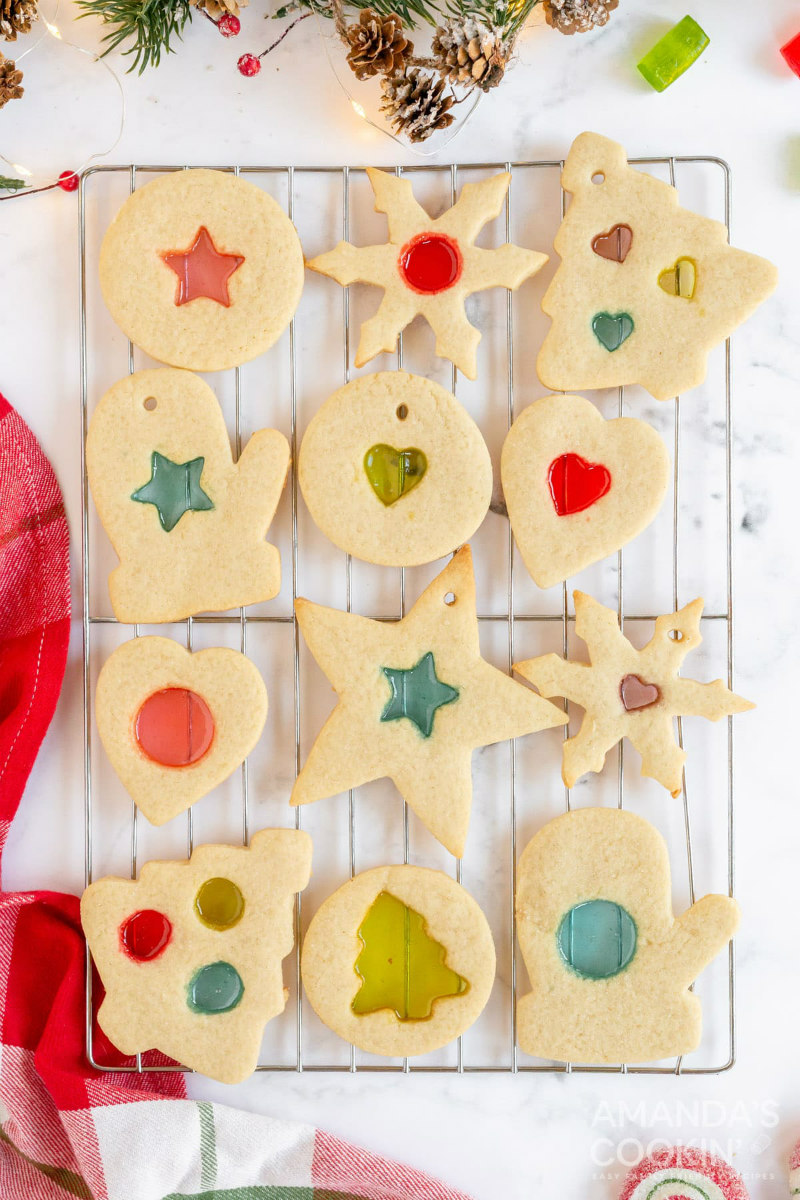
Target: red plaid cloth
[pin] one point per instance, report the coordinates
(65, 1129)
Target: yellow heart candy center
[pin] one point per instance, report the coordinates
(679, 280)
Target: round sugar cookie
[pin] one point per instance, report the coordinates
(399, 961)
(201, 269)
(683, 1173)
(394, 470)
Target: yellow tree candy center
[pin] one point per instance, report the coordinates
(401, 967)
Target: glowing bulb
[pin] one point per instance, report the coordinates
(21, 170)
(359, 109)
(53, 29)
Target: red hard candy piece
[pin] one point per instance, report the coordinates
(791, 53)
(576, 484)
(430, 263)
(174, 727)
(144, 935)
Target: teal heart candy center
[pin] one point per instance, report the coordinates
(393, 473)
(612, 329)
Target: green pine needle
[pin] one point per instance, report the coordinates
(11, 185)
(149, 24)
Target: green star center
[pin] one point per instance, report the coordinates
(174, 489)
(417, 694)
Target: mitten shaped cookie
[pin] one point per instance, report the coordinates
(415, 699)
(190, 953)
(645, 288)
(429, 266)
(399, 961)
(175, 724)
(187, 522)
(631, 693)
(609, 964)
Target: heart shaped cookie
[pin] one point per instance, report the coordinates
(578, 487)
(393, 473)
(175, 724)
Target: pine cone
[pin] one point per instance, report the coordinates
(578, 16)
(377, 44)
(10, 81)
(218, 8)
(414, 105)
(469, 52)
(16, 16)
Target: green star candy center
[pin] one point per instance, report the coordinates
(174, 489)
(417, 694)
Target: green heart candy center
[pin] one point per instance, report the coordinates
(612, 329)
(393, 473)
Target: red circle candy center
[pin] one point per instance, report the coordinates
(576, 484)
(145, 934)
(174, 727)
(430, 263)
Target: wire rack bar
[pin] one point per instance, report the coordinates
(511, 1064)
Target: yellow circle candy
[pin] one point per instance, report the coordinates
(219, 903)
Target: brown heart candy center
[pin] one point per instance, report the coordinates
(615, 244)
(635, 693)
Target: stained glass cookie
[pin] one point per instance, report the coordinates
(399, 961)
(630, 693)
(645, 288)
(201, 269)
(429, 266)
(394, 470)
(578, 487)
(175, 724)
(190, 953)
(415, 699)
(187, 522)
(609, 964)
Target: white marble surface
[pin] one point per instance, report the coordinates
(497, 1136)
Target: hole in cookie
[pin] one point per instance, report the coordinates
(598, 177)
(449, 597)
(402, 412)
(150, 403)
(676, 635)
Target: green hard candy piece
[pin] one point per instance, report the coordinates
(393, 473)
(417, 694)
(174, 489)
(612, 329)
(215, 988)
(673, 54)
(597, 939)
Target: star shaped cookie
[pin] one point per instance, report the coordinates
(631, 693)
(415, 699)
(429, 267)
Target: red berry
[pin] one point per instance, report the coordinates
(68, 181)
(249, 65)
(229, 25)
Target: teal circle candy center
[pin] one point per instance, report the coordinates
(215, 988)
(597, 939)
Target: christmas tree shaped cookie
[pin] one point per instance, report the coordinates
(176, 724)
(201, 269)
(190, 953)
(429, 266)
(415, 699)
(609, 965)
(187, 523)
(645, 288)
(631, 693)
(399, 961)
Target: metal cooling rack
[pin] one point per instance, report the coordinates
(341, 179)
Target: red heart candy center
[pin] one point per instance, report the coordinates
(636, 693)
(576, 484)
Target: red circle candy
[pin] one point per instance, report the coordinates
(174, 727)
(145, 934)
(430, 263)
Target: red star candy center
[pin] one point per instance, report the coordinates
(202, 270)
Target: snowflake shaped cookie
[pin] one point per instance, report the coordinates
(429, 267)
(631, 693)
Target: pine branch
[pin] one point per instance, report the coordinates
(11, 185)
(508, 15)
(149, 24)
(412, 12)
